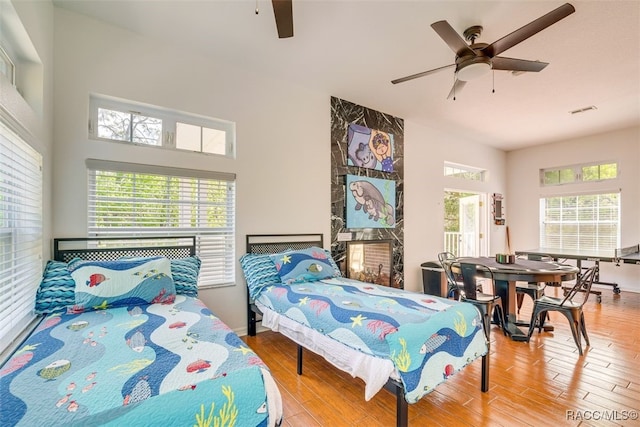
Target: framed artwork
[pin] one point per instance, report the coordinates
(370, 261)
(371, 202)
(369, 148)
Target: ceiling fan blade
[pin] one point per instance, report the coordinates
(523, 33)
(457, 87)
(283, 11)
(422, 74)
(452, 38)
(511, 64)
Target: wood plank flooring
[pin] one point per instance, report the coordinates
(540, 383)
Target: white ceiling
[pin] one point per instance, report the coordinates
(352, 49)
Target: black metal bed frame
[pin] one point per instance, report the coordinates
(273, 243)
(112, 248)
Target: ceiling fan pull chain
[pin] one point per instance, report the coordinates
(493, 81)
(454, 86)
(257, 9)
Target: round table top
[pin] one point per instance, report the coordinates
(524, 269)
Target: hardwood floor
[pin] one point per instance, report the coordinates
(540, 383)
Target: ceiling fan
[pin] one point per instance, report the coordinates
(476, 59)
(283, 11)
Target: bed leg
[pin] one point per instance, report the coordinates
(485, 373)
(299, 359)
(251, 319)
(402, 409)
(251, 329)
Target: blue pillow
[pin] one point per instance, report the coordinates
(104, 284)
(185, 273)
(259, 272)
(305, 265)
(56, 290)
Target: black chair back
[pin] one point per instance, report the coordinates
(470, 273)
(583, 285)
(445, 259)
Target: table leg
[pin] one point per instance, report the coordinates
(507, 292)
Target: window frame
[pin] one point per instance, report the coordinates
(468, 173)
(217, 270)
(546, 237)
(169, 119)
(577, 173)
(21, 221)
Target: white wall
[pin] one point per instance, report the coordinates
(283, 134)
(426, 150)
(524, 190)
(283, 143)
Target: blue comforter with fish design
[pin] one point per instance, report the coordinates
(428, 338)
(157, 364)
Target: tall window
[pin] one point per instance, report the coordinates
(586, 222)
(127, 199)
(20, 232)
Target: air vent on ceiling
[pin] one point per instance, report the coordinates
(582, 110)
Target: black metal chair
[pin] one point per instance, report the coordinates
(535, 290)
(486, 303)
(572, 310)
(453, 286)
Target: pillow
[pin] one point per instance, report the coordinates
(104, 284)
(305, 265)
(56, 290)
(259, 272)
(185, 273)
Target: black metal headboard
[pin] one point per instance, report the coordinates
(271, 244)
(112, 248)
(274, 243)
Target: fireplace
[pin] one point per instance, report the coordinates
(370, 261)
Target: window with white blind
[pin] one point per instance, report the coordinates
(127, 199)
(586, 221)
(20, 232)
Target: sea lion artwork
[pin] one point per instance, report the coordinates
(371, 203)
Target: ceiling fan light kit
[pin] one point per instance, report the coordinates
(474, 60)
(473, 68)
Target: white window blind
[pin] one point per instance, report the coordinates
(127, 199)
(20, 232)
(586, 222)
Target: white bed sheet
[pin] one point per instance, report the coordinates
(374, 371)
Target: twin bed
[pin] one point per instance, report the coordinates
(403, 341)
(125, 341)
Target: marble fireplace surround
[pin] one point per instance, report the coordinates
(344, 113)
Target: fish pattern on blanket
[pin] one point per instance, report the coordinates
(428, 338)
(157, 364)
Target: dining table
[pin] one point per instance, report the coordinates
(506, 276)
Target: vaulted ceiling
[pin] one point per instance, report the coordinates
(352, 49)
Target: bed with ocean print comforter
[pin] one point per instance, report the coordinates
(427, 338)
(168, 363)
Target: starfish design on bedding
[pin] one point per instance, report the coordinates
(357, 321)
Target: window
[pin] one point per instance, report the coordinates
(6, 66)
(20, 232)
(128, 199)
(464, 172)
(125, 121)
(586, 222)
(579, 173)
